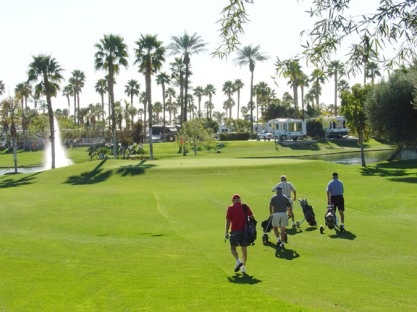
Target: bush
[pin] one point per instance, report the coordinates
(234, 136)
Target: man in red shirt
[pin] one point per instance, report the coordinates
(236, 219)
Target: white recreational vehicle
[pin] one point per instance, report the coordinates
(287, 128)
(335, 127)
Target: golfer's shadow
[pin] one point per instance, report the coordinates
(283, 253)
(343, 235)
(287, 254)
(243, 278)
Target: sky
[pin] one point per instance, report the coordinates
(68, 31)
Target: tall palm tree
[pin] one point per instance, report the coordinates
(111, 54)
(372, 70)
(101, 88)
(291, 69)
(249, 56)
(303, 83)
(68, 91)
(150, 54)
(170, 94)
(77, 81)
(132, 89)
(2, 87)
(229, 89)
(238, 85)
(163, 79)
(317, 78)
(23, 91)
(45, 72)
(177, 74)
(337, 70)
(210, 90)
(199, 93)
(186, 46)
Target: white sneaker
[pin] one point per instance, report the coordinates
(238, 265)
(243, 269)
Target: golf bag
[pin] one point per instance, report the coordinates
(308, 212)
(330, 220)
(330, 217)
(267, 227)
(250, 228)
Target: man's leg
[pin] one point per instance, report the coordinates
(244, 255)
(283, 234)
(234, 252)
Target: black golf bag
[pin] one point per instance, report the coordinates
(267, 227)
(330, 220)
(308, 212)
(330, 217)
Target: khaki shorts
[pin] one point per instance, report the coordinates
(280, 219)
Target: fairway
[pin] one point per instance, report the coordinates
(148, 236)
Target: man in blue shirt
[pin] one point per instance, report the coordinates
(335, 197)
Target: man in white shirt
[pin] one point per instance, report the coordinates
(287, 188)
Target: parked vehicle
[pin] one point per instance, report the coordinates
(287, 129)
(264, 135)
(335, 127)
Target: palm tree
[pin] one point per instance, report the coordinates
(170, 94)
(150, 54)
(163, 79)
(249, 56)
(291, 69)
(77, 81)
(199, 93)
(143, 98)
(238, 85)
(177, 73)
(337, 70)
(46, 72)
(111, 54)
(210, 90)
(23, 91)
(186, 46)
(372, 70)
(157, 109)
(101, 88)
(303, 83)
(68, 91)
(2, 87)
(229, 89)
(317, 78)
(132, 89)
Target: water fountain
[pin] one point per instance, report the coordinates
(61, 159)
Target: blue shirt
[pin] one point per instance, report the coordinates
(335, 187)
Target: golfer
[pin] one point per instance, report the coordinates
(287, 189)
(278, 207)
(335, 197)
(236, 220)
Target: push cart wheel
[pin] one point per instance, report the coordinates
(297, 224)
(265, 239)
(321, 229)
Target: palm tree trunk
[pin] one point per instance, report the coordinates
(251, 103)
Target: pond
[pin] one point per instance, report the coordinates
(353, 158)
(4, 171)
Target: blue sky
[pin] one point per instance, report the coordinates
(68, 30)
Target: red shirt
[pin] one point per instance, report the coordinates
(237, 216)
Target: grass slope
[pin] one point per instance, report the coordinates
(147, 236)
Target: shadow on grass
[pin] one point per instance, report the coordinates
(303, 146)
(95, 176)
(243, 278)
(345, 235)
(133, 170)
(395, 170)
(18, 182)
(285, 253)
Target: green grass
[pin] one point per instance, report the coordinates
(148, 236)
